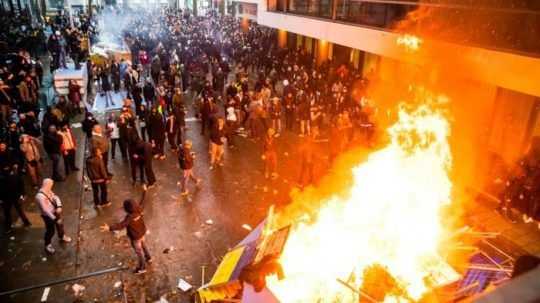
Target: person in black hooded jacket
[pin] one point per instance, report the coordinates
(156, 129)
(11, 193)
(136, 230)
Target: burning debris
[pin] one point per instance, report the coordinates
(387, 229)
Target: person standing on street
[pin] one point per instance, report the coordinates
(186, 158)
(141, 158)
(172, 127)
(95, 168)
(101, 142)
(136, 230)
(114, 135)
(52, 142)
(269, 155)
(51, 212)
(69, 147)
(32, 156)
(11, 194)
(217, 138)
(156, 129)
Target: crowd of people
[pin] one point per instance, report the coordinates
(31, 129)
(236, 78)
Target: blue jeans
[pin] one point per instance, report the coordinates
(142, 252)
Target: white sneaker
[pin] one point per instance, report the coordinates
(66, 239)
(50, 249)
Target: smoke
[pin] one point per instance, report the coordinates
(113, 22)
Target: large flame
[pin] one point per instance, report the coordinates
(391, 218)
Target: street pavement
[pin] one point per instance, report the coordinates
(180, 239)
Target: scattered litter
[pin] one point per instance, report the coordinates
(162, 299)
(148, 232)
(117, 284)
(119, 234)
(209, 222)
(265, 189)
(119, 263)
(178, 183)
(45, 294)
(286, 154)
(247, 227)
(285, 181)
(82, 217)
(78, 289)
(198, 234)
(183, 285)
(12, 238)
(43, 259)
(168, 250)
(112, 256)
(275, 191)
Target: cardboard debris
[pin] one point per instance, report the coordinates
(78, 289)
(247, 227)
(183, 285)
(45, 294)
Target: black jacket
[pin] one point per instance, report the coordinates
(156, 126)
(216, 135)
(52, 142)
(11, 186)
(134, 225)
(185, 158)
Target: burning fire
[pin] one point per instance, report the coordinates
(390, 220)
(411, 42)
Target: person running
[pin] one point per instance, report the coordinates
(186, 158)
(51, 212)
(136, 230)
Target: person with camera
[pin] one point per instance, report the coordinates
(51, 212)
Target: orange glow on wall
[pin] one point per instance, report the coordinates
(282, 38)
(245, 24)
(322, 51)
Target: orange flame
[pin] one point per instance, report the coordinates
(390, 218)
(411, 43)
